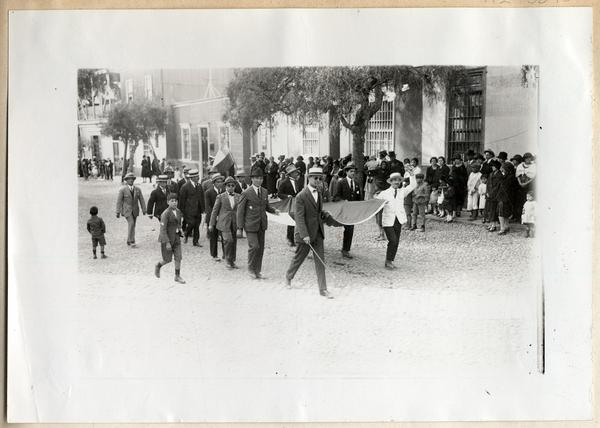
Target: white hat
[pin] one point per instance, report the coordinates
(315, 170)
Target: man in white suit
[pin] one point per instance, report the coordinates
(393, 215)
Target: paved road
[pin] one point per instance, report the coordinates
(462, 300)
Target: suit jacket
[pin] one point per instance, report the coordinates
(170, 224)
(157, 202)
(210, 196)
(223, 214)
(344, 192)
(252, 211)
(191, 201)
(395, 206)
(180, 184)
(308, 215)
(129, 203)
(286, 188)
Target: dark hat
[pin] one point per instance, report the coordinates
(517, 158)
(392, 154)
(229, 180)
(503, 155)
(383, 153)
(420, 175)
(129, 175)
(217, 177)
(528, 155)
(495, 162)
(257, 172)
(193, 173)
(291, 169)
(491, 152)
(300, 158)
(350, 165)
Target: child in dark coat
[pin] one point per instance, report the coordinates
(97, 229)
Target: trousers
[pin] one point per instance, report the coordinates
(131, 220)
(214, 242)
(392, 234)
(193, 228)
(256, 249)
(418, 210)
(290, 233)
(229, 245)
(168, 254)
(302, 251)
(348, 234)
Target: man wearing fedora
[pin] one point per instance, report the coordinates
(223, 217)
(252, 216)
(289, 188)
(210, 197)
(240, 181)
(191, 203)
(157, 202)
(393, 213)
(129, 203)
(309, 216)
(348, 190)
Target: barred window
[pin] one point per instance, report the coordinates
(310, 141)
(380, 130)
(466, 113)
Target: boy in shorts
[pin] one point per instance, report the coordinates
(170, 238)
(97, 229)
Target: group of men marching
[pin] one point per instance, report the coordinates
(231, 206)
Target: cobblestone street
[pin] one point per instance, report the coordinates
(462, 299)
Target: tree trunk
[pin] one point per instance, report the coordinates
(358, 149)
(125, 161)
(334, 134)
(132, 149)
(246, 145)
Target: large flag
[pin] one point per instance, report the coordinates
(224, 163)
(343, 213)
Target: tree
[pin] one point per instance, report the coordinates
(348, 95)
(134, 122)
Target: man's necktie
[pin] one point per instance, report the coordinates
(395, 193)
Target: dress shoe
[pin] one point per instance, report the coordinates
(260, 276)
(103, 256)
(216, 259)
(390, 265)
(288, 282)
(157, 270)
(95, 256)
(197, 244)
(179, 279)
(346, 255)
(326, 294)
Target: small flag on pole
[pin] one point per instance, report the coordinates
(224, 163)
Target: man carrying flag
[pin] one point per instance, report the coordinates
(309, 234)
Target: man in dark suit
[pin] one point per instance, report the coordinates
(210, 196)
(191, 201)
(169, 238)
(223, 216)
(171, 185)
(129, 202)
(240, 181)
(289, 188)
(158, 198)
(309, 216)
(185, 179)
(252, 216)
(348, 190)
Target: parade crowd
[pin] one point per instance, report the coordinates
(487, 186)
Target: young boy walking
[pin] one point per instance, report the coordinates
(97, 229)
(170, 238)
(420, 198)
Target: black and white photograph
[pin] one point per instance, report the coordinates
(273, 240)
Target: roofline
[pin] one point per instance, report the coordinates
(198, 101)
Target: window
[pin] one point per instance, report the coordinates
(148, 86)
(147, 148)
(380, 130)
(129, 89)
(466, 113)
(310, 141)
(186, 143)
(116, 145)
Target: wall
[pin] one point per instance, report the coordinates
(511, 111)
(433, 127)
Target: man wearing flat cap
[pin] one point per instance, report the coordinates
(309, 216)
(224, 219)
(348, 190)
(210, 196)
(252, 216)
(289, 188)
(191, 203)
(129, 203)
